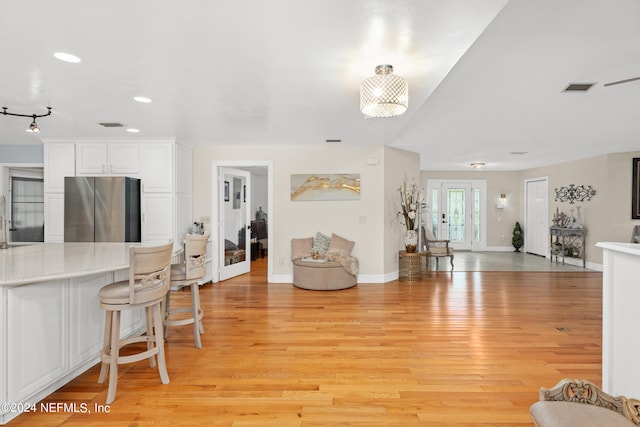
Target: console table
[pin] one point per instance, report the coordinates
(413, 266)
(568, 242)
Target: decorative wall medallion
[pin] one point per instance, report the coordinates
(573, 193)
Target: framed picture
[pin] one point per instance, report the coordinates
(236, 192)
(635, 192)
(226, 191)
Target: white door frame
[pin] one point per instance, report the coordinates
(480, 184)
(216, 200)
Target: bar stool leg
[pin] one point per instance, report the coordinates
(199, 309)
(150, 334)
(113, 358)
(166, 308)
(105, 346)
(159, 340)
(195, 313)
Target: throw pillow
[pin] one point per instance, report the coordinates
(301, 248)
(340, 246)
(321, 243)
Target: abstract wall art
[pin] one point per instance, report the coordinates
(338, 186)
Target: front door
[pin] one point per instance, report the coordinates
(458, 212)
(235, 218)
(457, 218)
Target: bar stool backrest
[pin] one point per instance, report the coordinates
(149, 272)
(195, 255)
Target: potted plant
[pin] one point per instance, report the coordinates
(518, 238)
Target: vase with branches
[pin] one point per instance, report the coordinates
(410, 201)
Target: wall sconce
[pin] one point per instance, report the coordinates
(502, 201)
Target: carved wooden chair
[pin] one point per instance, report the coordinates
(437, 248)
(581, 403)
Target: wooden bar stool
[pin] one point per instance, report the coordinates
(148, 284)
(189, 273)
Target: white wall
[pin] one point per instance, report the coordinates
(366, 221)
(607, 216)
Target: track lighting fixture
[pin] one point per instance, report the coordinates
(33, 127)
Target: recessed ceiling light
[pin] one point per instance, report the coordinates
(67, 57)
(142, 99)
(477, 165)
(132, 130)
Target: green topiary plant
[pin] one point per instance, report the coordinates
(518, 238)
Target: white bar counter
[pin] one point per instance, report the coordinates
(51, 323)
(620, 318)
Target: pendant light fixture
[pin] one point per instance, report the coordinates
(33, 127)
(384, 94)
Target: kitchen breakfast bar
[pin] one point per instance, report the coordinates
(51, 323)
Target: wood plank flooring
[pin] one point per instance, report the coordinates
(458, 349)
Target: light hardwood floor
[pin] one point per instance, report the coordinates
(458, 349)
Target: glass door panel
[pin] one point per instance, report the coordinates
(457, 218)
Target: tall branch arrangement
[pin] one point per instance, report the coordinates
(410, 201)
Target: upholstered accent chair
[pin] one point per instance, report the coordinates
(578, 403)
(437, 248)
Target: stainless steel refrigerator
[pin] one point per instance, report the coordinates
(101, 209)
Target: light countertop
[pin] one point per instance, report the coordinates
(627, 248)
(43, 262)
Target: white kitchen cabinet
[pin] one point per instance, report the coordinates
(158, 217)
(59, 161)
(114, 158)
(37, 334)
(124, 158)
(184, 169)
(157, 167)
(54, 217)
(86, 323)
(184, 215)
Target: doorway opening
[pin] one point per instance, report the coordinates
(456, 211)
(22, 192)
(242, 194)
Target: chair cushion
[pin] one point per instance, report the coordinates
(178, 271)
(118, 292)
(439, 250)
(573, 414)
(340, 245)
(301, 248)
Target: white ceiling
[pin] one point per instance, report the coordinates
(486, 78)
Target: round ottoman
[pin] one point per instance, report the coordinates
(321, 276)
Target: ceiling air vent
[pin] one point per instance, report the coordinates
(111, 124)
(578, 87)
